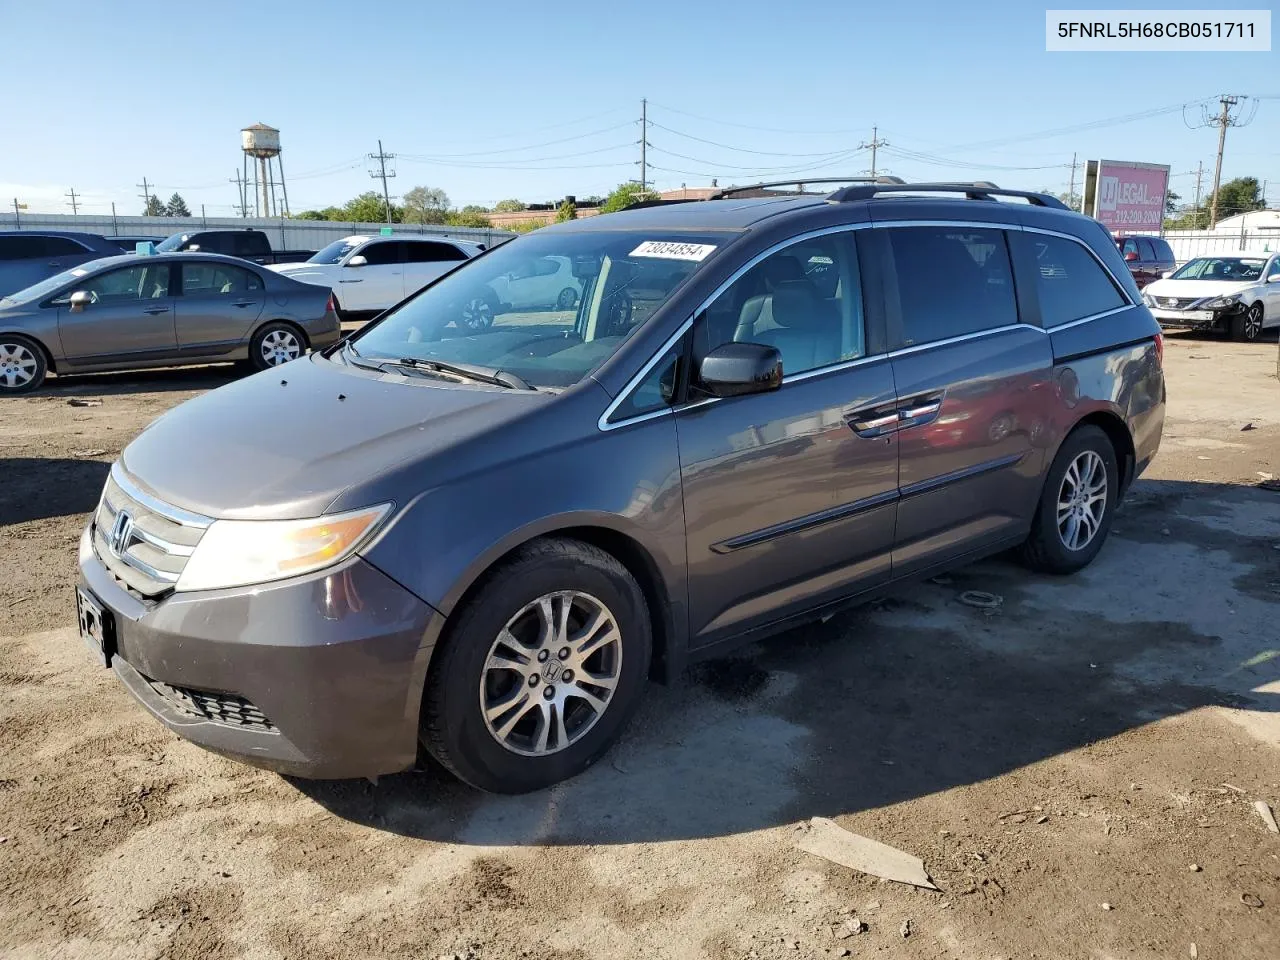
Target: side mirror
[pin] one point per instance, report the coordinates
(734, 369)
(80, 299)
(1274, 278)
(357, 261)
(1166, 275)
(1131, 256)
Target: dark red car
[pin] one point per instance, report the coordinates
(1148, 258)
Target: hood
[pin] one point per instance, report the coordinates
(1199, 289)
(287, 442)
(296, 270)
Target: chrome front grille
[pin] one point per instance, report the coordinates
(1176, 303)
(142, 541)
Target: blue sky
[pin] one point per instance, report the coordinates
(538, 100)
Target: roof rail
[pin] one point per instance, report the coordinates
(978, 190)
(640, 205)
(801, 182)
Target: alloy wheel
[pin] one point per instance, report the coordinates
(1253, 322)
(551, 673)
(477, 314)
(17, 365)
(280, 346)
(1082, 500)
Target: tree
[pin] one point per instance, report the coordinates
(1239, 196)
(525, 226)
(369, 207)
(567, 211)
(625, 195)
(1072, 200)
(465, 218)
(154, 207)
(474, 208)
(317, 214)
(1171, 201)
(426, 205)
(176, 207)
(509, 206)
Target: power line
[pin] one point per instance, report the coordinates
(499, 164)
(725, 146)
(748, 126)
(530, 146)
(873, 146)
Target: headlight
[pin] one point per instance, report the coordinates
(235, 553)
(1226, 301)
(1148, 300)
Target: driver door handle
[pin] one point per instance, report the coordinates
(154, 310)
(244, 303)
(360, 280)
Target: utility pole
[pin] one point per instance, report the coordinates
(1223, 121)
(17, 216)
(644, 143)
(875, 144)
(146, 194)
(240, 208)
(75, 207)
(382, 157)
(1195, 207)
(1071, 190)
(115, 227)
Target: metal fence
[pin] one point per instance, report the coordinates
(284, 234)
(1189, 244)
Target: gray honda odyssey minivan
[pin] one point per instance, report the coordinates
(481, 528)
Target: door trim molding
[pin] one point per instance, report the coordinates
(955, 476)
(807, 522)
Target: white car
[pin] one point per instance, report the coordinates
(539, 283)
(369, 274)
(1239, 294)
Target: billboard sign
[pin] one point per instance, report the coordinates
(1126, 196)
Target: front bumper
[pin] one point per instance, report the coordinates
(318, 676)
(1194, 319)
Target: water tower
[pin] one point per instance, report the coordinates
(263, 144)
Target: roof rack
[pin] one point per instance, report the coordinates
(978, 190)
(801, 182)
(660, 202)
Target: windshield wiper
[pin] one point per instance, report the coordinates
(499, 378)
(352, 356)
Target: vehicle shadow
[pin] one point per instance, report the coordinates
(911, 695)
(161, 380)
(36, 488)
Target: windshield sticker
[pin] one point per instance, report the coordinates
(671, 250)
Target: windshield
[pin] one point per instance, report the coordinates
(172, 244)
(549, 308)
(1234, 269)
(335, 251)
(38, 291)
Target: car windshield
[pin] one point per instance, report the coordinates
(335, 251)
(1235, 269)
(38, 291)
(548, 308)
(171, 244)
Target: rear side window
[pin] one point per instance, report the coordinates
(428, 252)
(215, 279)
(951, 281)
(250, 245)
(1163, 250)
(20, 248)
(1070, 282)
(1146, 248)
(62, 247)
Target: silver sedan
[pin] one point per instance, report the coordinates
(132, 312)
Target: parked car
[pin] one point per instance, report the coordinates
(129, 312)
(485, 540)
(1237, 295)
(1148, 258)
(28, 256)
(549, 280)
(129, 242)
(370, 274)
(246, 244)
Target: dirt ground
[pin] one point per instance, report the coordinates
(1076, 768)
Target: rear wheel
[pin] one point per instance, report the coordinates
(478, 313)
(1080, 492)
(276, 343)
(1247, 326)
(541, 669)
(568, 297)
(22, 364)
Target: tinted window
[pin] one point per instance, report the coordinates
(379, 254)
(20, 248)
(214, 279)
(63, 247)
(806, 300)
(426, 252)
(656, 390)
(1146, 249)
(1071, 283)
(149, 282)
(1163, 250)
(251, 245)
(951, 281)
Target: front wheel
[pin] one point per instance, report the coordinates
(274, 344)
(478, 313)
(1247, 326)
(541, 669)
(22, 364)
(1080, 492)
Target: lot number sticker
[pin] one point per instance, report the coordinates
(670, 250)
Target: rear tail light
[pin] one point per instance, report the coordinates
(332, 305)
(1160, 350)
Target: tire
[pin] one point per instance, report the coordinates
(1247, 325)
(23, 366)
(513, 746)
(478, 314)
(1048, 548)
(568, 297)
(276, 343)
